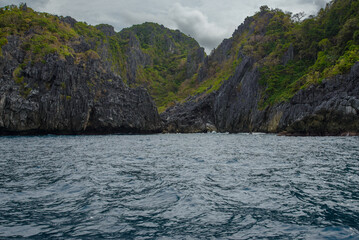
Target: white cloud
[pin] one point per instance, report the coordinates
(196, 24)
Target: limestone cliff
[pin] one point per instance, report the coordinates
(278, 74)
(327, 108)
(68, 96)
(275, 74)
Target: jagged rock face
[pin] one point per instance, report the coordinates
(288, 55)
(237, 98)
(194, 116)
(244, 26)
(108, 30)
(166, 45)
(194, 59)
(80, 94)
(135, 58)
(230, 109)
(159, 59)
(329, 108)
(69, 20)
(61, 96)
(219, 55)
(222, 52)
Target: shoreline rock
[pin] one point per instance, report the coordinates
(60, 96)
(327, 108)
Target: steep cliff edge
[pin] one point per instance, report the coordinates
(275, 74)
(327, 108)
(62, 97)
(278, 74)
(159, 59)
(56, 82)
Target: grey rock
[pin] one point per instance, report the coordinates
(23, 7)
(194, 59)
(244, 26)
(191, 117)
(288, 55)
(69, 20)
(223, 51)
(329, 108)
(64, 97)
(108, 30)
(135, 58)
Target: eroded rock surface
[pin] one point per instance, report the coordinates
(328, 108)
(69, 96)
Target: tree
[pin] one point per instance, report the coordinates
(298, 16)
(264, 8)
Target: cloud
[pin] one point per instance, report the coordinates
(196, 24)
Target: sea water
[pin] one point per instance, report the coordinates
(179, 186)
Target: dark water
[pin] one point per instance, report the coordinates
(200, 186)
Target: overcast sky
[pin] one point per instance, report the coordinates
(208, 21)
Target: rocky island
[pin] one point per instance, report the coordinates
(277, 73)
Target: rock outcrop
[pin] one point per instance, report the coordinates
(135, 58)
(328, 108)
(271, 78)
(194, 59)
(227, 110)
(69, 96)
(61, 76)
(158, 59)
(194, 116)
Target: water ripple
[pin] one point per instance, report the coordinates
(184, 186)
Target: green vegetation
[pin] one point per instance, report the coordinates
(3, 41)
(167, 51)
(218, 74)
(41, 33)
(19, 80)
(290, 53)
(323, 46)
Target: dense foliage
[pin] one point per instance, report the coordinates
(291, 53)
(167, 51)
(42, 33)
(324, 46)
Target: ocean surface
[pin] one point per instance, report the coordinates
(179, 186)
